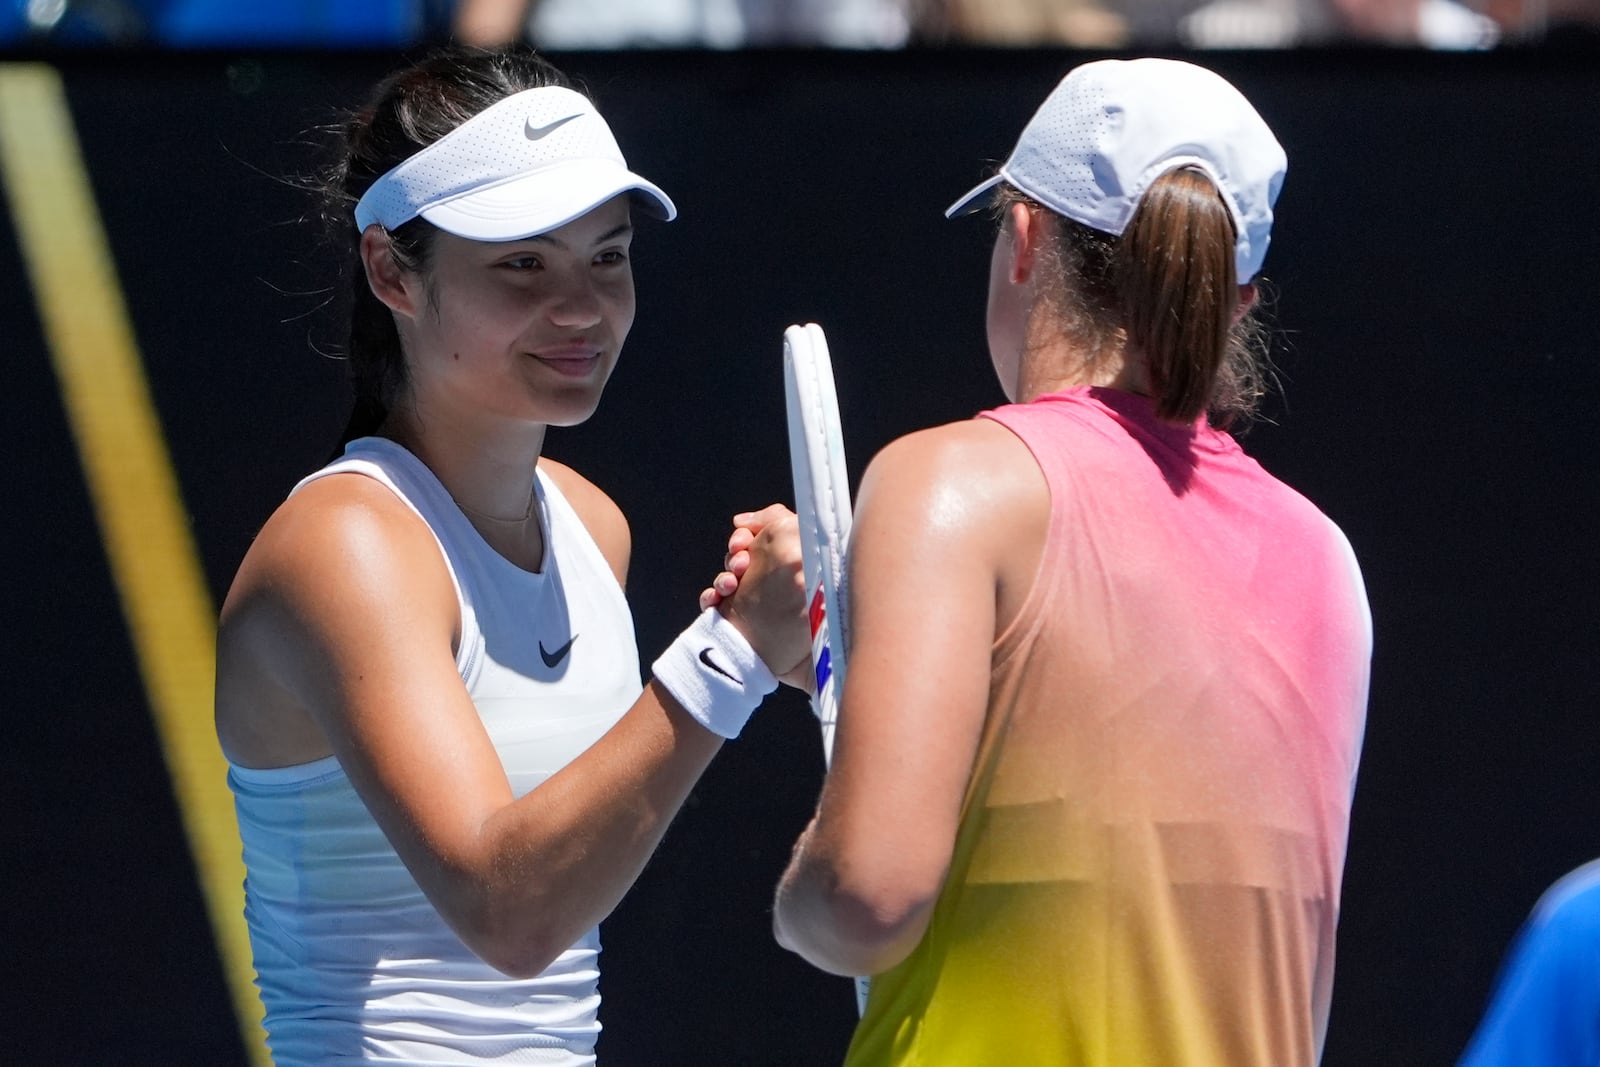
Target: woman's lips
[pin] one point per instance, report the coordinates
(574, 361)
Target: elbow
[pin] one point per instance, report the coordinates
(510, 938)
(876, 934)
(519, 960)
(515, 923)
(852, 933)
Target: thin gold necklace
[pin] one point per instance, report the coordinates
(524, 517)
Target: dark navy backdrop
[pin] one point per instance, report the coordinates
(1436, 294)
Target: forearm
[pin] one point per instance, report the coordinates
(558, 860)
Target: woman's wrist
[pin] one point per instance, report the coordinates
(712, 670)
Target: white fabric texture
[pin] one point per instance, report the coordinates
(353, 961)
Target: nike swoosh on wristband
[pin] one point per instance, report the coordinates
(553, 659)
(536, 132)
(705, 657)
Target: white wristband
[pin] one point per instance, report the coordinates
(714, 673)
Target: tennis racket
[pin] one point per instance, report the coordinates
(822, 502)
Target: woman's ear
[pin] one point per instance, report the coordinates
(1025, 233)
(1248, 295)
(390, 283)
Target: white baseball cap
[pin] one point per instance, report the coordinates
(524, 166)
(1112, 127)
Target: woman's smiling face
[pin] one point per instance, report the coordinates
(527, 329)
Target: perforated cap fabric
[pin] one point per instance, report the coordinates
(1112, 127)
(524, 166)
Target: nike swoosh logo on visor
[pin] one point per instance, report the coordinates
(536, 132)
(553, 659)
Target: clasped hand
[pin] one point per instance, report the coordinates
(761, 590)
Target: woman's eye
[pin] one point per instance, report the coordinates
(521, 263)
(612, 257)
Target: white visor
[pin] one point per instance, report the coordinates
(525, 166)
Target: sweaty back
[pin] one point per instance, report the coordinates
(1148, 865)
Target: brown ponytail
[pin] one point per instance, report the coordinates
(1178, 289)
(1167, 286)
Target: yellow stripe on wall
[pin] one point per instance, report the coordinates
(132, 485)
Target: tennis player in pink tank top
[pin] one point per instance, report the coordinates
(1091, 785)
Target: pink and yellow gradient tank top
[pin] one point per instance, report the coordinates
(1148, 865)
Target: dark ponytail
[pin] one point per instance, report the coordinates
(408, 110)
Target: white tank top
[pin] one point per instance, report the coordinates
(353, 962)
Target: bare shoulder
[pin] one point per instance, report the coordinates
(964, 500)
(962, 474)
(598, 512)
(343, 535)
(341, 564)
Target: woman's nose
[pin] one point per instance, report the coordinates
(577, 305)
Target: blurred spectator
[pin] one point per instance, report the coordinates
(1440, 24)
(1535, 22)
(12, 24)
(201, 23)
(580, 24)
(222, 23)
(1545, 1011)
(80, 22)
(602, 24)
(1075, 23)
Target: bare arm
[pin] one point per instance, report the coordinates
(346, 606)
(932, 573)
